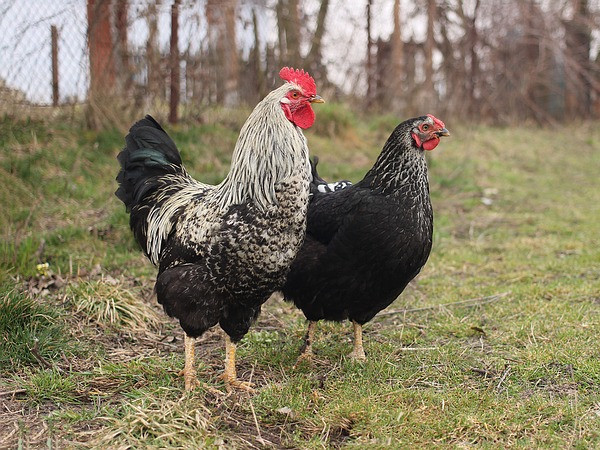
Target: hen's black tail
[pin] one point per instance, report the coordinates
(149, 152)
(318, 184)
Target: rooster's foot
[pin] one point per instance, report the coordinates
(189, 370)
(229, 375)
(233, 383)
(190, 379)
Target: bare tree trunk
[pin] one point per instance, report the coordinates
(121, 46)
(429, 44)
(596, 100)
(452, 66)
(411, 48)
(369, 56)
(474, 60)
(223, 49)
(155, 87)
(102, 66)
(174, 64)
(271, 66)
(292, 33)
(578, 33)
(469, 53)
(214, 82)
(382, 73)
(279, 9)
(260, 76)
(314, 60)
(397, 63)
(230, 56)
(288, 22)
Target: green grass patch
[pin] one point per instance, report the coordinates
(516, 214)
(29, 328)
(50, 386)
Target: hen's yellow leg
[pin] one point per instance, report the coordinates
(358, 353)
(307, 353)
(230, 373)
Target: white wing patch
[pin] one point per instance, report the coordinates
(160, 218)
(332, 187)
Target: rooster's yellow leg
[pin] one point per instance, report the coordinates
(230, 374)
(189, 369)
(358, 353)
(307, 353)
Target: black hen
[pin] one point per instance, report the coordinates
(366, 242)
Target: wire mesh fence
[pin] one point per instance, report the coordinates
(503, 61)
(118, 54)
(26, 49)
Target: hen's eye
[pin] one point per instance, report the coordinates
(425, 127)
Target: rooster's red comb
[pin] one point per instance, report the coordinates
(301, 78)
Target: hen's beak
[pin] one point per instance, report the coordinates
(316, 99)
(442, 132)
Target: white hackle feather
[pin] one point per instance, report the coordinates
(268, 151)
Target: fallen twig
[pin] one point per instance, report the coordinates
(15, 392)
(468, 303)
(415, 349)
(259, 437)
(503, 377)
(38, 357)
(153, 341)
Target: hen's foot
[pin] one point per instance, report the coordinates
(358, 353)
(307, 353)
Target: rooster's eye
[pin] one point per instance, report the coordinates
(295, 94)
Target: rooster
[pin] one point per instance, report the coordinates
(222, 250)
(365, 242)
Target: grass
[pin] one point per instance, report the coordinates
(516, 229)
(107, 302)
(29, 331)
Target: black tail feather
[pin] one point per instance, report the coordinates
(316, 179)
(318, 184)
(149, 152)
(313, 170)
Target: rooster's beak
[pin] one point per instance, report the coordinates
(316, 99)
(442, 132)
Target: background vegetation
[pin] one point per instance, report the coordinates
(494, 345)
(498, 61)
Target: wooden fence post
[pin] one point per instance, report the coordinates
(54, 40)
(174, 63)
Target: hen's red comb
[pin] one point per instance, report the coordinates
(437, 121)
(301, 78)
